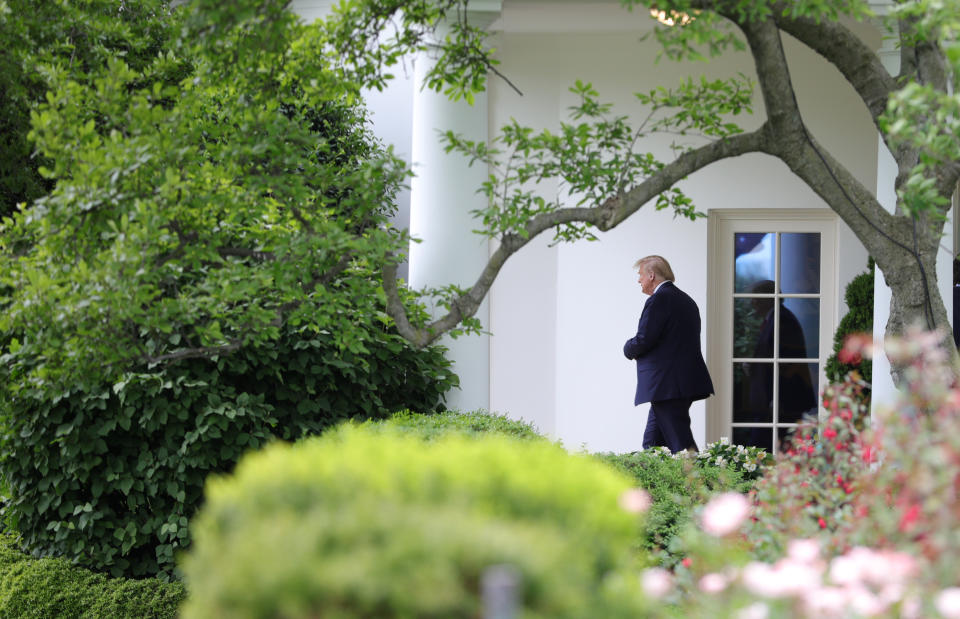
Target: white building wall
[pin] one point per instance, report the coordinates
(595, 298)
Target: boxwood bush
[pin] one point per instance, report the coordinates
(109, 475)
(45, 588)
(368, 522)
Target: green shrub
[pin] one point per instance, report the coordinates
(859, 319)
(46, 588)
(476, 423)
(362, 523)
(109, 475)
(677, 485)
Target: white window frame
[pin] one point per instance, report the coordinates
(722, 223)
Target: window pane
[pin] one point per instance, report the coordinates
(800, 262)
(798, 391)
(752, 392)
(800, 329)
(754, 258)
(752, 328)
(754, 437)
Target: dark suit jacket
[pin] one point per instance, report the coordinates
(667, 349)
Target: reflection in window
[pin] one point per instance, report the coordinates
(747, 322)
(799, 262)
(754, 258)
(797, 391)
(754, 437)
(800, 329)
(753, 392)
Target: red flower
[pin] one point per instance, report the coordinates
(849, 357)
(822, 522)
(867, 454)
(910, 516)
(829, 433)
(687, 562)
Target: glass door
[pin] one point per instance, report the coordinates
(771, 325)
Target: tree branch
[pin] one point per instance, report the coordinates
(605, 216)
(838, 45)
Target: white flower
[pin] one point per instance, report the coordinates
(720, 461)
(656, 582)
(948, 602)
(750, 467)
(725, 513)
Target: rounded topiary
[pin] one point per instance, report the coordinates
(362, 523)
(109, 475)
(859, 319)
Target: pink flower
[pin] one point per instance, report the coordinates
(760, 579)
(947, 602)
(635, 501)
(713, 583)
(725, 513)
(825, 602)
(656, 582)
(803, 550)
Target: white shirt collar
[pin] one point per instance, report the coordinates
(660, 284)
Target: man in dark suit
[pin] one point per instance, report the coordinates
(671, 373)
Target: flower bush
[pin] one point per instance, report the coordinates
(809, 492)
(849, 522)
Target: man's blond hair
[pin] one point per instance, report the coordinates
(657, 264)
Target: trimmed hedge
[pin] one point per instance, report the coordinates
(476, 424)
(109, 475)
(45, 588)
(369, 522)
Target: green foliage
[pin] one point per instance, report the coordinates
(77, 39)
(43, 588)
(196, 219)
(476, 424)
(364, 40)
(110, 474)
(677, 485)
(386, 524)
(858, 319)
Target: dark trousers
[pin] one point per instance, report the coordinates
(668, 425)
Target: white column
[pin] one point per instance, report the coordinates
(442, 194)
